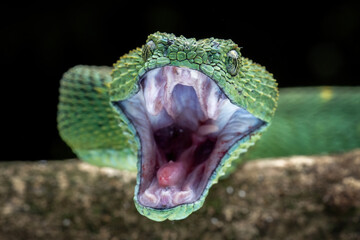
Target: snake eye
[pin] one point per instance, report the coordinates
(148, 50)
(233, 62)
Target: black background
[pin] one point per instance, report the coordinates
(301, 44)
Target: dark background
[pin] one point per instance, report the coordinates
(302, 45)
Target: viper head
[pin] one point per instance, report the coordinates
(194, 107)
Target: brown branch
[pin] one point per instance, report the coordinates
(291, 198)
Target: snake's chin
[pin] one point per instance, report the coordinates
(185, 124)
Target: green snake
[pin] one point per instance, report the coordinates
(181, 111)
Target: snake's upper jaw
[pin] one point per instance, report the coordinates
(186, 125)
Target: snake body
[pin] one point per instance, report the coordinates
(180, 112)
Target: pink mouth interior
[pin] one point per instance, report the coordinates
(185, 125)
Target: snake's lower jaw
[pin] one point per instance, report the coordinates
(186, 125)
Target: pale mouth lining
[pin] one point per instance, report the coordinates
(185, 124)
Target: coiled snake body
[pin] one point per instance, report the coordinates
(180, 112)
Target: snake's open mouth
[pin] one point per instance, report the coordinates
(185, 124)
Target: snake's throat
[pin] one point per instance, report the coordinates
(186, 125)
